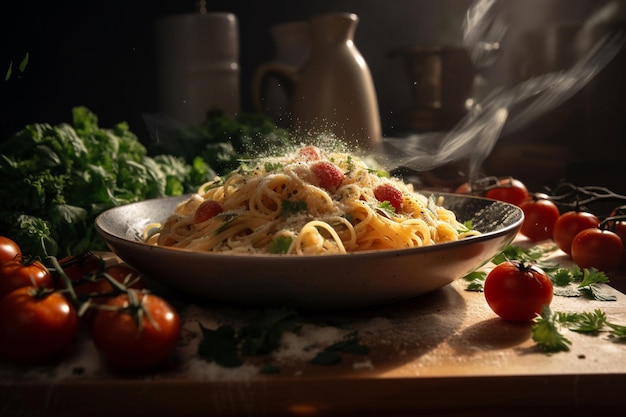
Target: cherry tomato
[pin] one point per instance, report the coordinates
(619, 227)
(387, 192)
(517, 291)
(597, 248)
(15, 274)
(569, 224)
(328, 175)
(539, 218)
(80, 266)
(309, 153)
(127, 347)
(207, 210)
(509, 190)
(9, 250)
(36, 325)
(464, 188)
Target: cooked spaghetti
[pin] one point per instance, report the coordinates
(309, 201)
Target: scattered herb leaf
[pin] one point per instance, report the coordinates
(280, 244)
(546, 333)
(387, 209)
(273, 166)
(547, 328)
(288, 207)
(476, 281)
(351, 343)
(220, 346)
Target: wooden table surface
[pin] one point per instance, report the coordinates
(444, 353)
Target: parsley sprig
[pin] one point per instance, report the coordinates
(547, 329)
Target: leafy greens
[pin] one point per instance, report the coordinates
(57, 179)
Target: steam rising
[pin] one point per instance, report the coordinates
(503, 111)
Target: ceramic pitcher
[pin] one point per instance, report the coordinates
(292, 41)
(333, 92)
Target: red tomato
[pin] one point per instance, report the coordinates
(207, 210)
(569, 224)
(597, 248)
(517, 291)
(387, 192)
(35, 326)
(80, 266)
(328, 175)
(619, 227)
(464, 188)
(539, 218)
(99, 285)
(309, 153)
(9, 250)
(127, 347)
(15, 274)
(509, 190)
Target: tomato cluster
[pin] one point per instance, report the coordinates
(43, 306)
(591, 243)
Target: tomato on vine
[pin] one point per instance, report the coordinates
(79, 266)
(509, 190)
(136, 331)
(597, 248)
(569, 224)
(36, 325)
(540, 215)
(15, 274)
(9, 250)
(517, 290)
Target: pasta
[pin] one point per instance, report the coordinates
(309, 201)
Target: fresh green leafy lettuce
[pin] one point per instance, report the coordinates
(57, 179)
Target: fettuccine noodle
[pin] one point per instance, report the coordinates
(309, 201)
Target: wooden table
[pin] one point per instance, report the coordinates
(444, 353)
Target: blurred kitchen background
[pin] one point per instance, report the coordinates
(103, 55)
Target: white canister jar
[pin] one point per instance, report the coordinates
(198, 65)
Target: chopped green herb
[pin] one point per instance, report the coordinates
(24, 62)
(468, 225)
(351, 343)
(220, 346)
(379, 172)
(9, 72)
(271, 166)
(387, 209)
(280, 245)
(229, 218)
(476, 281)
(288, 207)
(262, 334)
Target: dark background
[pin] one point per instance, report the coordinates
(101, 54)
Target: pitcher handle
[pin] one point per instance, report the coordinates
(286, 73)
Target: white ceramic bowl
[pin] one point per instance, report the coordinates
(311, 282)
